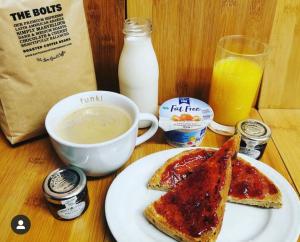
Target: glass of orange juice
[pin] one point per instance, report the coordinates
(238, 68)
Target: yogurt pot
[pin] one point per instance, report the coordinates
(184, 121)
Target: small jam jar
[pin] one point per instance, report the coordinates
(66, 193)
(254, 137)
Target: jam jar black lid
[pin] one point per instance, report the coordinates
(254, 130)
(64, 183)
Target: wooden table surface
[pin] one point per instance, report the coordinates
(25, 166)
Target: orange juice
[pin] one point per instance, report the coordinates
(234, 84)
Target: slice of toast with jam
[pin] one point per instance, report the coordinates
(193, 210)
(248, 184)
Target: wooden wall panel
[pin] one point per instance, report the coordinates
(281, 83)
(105, 21)
(136, 8)
(185, 34)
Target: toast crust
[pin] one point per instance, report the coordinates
(269, 201)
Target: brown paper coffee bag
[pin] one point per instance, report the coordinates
(45, 55)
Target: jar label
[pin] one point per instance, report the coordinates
(252, 148)
(69, 202)
(72, 211)
(250, 152)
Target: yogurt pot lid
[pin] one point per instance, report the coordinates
(184, 113)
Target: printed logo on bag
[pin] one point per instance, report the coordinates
(41, 30)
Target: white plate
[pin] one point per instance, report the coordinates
(128, 196)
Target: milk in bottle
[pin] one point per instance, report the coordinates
(138, 67)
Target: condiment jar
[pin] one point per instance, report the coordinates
(254, 137)
(66, 193)
(138, 68)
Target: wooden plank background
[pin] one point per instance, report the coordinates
(281, 83)
(105, 21)
(285, 126)
(185, 34)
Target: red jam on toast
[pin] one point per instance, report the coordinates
(247, 181)
(193, 210)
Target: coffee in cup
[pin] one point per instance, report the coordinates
(94, 124)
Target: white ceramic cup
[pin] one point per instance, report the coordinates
(100, 158)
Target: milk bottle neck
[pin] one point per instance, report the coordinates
(137, 28)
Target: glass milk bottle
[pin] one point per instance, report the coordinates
(138, 67)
